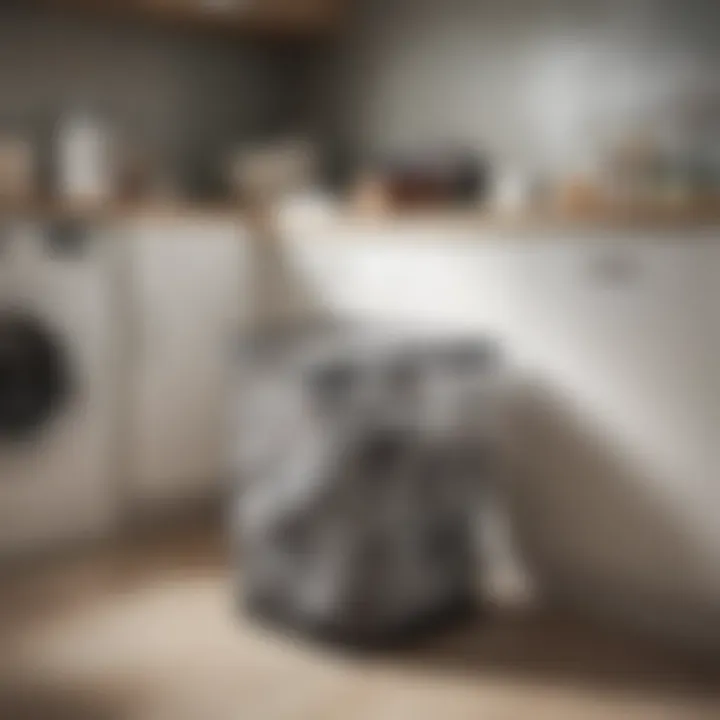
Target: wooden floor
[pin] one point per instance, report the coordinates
(147, 631)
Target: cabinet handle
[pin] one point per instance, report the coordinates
(614, 269)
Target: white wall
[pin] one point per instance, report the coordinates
(530, 81)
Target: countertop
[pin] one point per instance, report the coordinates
(49, 210)
(688, 217)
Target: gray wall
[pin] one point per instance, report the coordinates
(184, 95)
(539, 81)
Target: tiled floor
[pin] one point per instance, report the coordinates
(147, 631)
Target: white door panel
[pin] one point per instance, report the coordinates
(188, 307)
(616, 336)
(621, 327)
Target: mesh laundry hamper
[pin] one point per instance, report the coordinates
(359, 466)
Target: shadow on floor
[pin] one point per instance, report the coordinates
(546, 651)
(558, 649)
(22, 699)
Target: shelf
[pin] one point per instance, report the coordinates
(691, 217)
(49, 210)
(262, 19)
(651, 219)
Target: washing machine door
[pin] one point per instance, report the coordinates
(34, 378)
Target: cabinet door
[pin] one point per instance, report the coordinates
(187, 306)
(616, 339)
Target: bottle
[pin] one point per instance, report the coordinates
(83, 155)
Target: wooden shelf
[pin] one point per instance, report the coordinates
(262, 19)
(52, 210)
(689, 217)
(652, 220)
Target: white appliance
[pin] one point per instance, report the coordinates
(57, 386)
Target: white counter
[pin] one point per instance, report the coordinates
(619, 490)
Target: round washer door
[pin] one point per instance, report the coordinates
(34, 377)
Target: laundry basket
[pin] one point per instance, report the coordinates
(360, 465)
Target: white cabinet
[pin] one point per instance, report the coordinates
(186, 307)
(617, 341)
(622, 328)
(619, 487)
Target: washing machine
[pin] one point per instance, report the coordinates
(58, 385)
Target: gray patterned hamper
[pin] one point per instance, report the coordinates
(360, 466)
